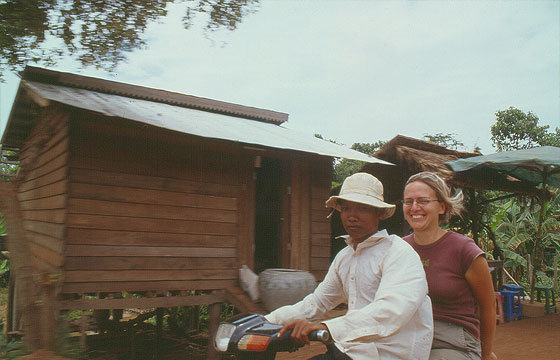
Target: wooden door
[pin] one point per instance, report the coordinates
(271, 209)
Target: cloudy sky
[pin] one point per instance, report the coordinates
(362, 71)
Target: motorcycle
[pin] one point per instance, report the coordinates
(251, 336)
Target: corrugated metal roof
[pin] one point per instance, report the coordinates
(192, 121)
(46, 76)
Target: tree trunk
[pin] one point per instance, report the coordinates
(530, 277)
(20, 265)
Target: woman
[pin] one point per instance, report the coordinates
(458, 276)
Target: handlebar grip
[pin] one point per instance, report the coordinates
(323, 336)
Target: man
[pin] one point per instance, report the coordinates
(378, 275)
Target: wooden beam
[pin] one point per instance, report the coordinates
(238, 298)
(141, 303)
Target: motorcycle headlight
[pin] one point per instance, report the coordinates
(221, 340)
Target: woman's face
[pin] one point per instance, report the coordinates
(423, 216)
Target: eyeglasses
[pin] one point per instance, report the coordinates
(420, 202)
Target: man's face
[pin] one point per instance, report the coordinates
(360, 221)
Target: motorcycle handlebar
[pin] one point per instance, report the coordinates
(320, 335)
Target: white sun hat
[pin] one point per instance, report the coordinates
(365, 189)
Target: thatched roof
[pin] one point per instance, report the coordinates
(413, 155)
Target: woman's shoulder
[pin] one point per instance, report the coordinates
(458, 237)
(409, 238)
(463, 242)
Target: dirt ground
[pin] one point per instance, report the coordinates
(531, 338)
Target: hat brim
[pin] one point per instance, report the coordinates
(387, 209)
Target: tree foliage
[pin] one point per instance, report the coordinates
(97, 32)
(368, 148)
(515, 130)
(347, 167)
(449, 140)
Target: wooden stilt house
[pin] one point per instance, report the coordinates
(123, 188)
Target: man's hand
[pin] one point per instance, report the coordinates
(301, 328)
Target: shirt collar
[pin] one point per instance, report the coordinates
(370, 241)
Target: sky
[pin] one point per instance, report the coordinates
(361, 71)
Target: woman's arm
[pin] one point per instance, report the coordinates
(479, 278)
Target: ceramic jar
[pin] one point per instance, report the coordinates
(279, 287)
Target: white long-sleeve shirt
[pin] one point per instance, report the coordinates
(389, 312)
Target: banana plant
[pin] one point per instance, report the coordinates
(516, 228)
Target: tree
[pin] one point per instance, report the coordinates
(536, 225)
(97, 32)
(347, 167)
(368, 148)
(446, 140)
(517, 232)
(515, 130)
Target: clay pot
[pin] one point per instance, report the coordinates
(279, 287)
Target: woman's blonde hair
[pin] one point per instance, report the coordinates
(453, 203)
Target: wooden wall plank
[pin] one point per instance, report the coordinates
(45, 228)
(321, 251)
(319, 204)
(318, 264)
(321, 240)
(112, 208)
(55, 176)
(209, 173)
(145, 263)
(52, 153)
(55, 164)
(119, 179)
(147, 196)
(108, 237)
(46, 255)
(319, 190)
(54, 244)
(71, 276)
(56, 216)
(51, 202)
(150, 251)
(202, 160)
(320, 227)
(149, 224)
(114, 286)
(56, 188)
(140, 303)
(320, 216)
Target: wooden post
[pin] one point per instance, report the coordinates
(159, 331)
(475, 216)
(215, 310)
(24, 287)
(83, 329)
(530, 276)
(49, 315)
(555, 283)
